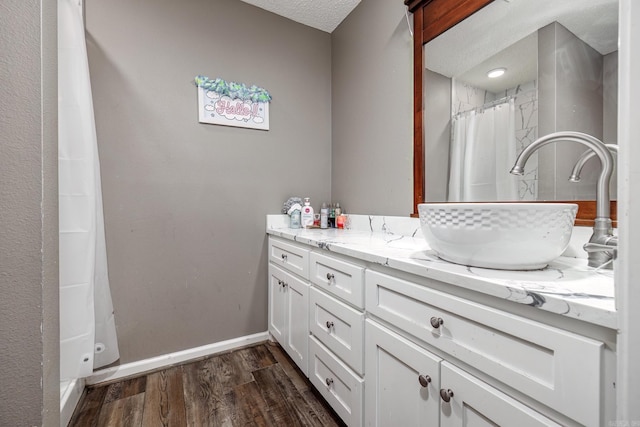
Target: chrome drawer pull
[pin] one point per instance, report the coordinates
(284, 257)
(436, 322)
(329, 324)
(329, 381)
(424, 380)
(446, 395)
(330, 277)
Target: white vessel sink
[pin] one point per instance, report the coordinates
(508, 236)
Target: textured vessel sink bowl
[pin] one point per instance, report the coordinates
(508, 236)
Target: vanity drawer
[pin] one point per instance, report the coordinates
(558, 368)
(338, 384)
(290, 257)
(337, 326)
(340, 278)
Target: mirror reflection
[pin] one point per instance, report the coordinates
(512, 72)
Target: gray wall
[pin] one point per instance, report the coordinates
(29, 337)
(185, 202)
(437, 135)
(372, 110)
(610, 98)
(570, 98)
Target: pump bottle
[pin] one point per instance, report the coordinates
(307, 214)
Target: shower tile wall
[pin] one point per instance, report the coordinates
(467, 97)
(526, 103)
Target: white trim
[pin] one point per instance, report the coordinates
(69, 399)
(627, 269)
(166, 360)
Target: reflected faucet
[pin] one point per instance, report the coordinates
(602, 245)
(577, 168)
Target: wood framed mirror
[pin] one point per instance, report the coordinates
(431, 19)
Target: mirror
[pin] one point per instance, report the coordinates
(561, 74)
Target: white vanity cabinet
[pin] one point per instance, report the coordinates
(390, 347)
(289, 299)
(557, 368)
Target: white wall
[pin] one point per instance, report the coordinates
(628, 266)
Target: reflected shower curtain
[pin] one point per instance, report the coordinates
(483, 150)
(87, 327)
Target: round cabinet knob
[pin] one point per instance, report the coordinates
(284, 257)
(436, 322)
(446, 395)
(329, 324)
(329, 381)
(424, 380)
(330, 276)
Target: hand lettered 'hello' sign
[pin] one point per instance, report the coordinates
(232, 104)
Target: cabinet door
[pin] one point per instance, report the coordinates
(473, 403)
(277, 307)
(297, 341)
(402, 380)
(289, 314)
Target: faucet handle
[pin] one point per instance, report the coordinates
(611, 246)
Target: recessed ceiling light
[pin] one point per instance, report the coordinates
(496, 72)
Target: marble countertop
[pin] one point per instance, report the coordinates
(567, 286)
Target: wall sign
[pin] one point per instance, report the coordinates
(232, 104)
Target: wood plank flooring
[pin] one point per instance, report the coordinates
(254, 386)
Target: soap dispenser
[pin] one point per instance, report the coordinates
(307, 214)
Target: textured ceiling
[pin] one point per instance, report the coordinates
(324, 15)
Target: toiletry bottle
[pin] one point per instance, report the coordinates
(338, 210)
(307, 214)
(332, 216)
(294, 214)
(324, 216)
(295, 219)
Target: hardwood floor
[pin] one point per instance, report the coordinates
(254, 386)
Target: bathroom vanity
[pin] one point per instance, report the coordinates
(390, 334)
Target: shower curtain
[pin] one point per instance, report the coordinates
(87, 327)
(483, 150)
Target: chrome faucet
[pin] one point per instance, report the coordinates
(577, 168)
(602, 245)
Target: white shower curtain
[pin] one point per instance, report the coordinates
(483, 150)
(87, 327)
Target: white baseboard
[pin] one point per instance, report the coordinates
(69, 398)
(166, 360)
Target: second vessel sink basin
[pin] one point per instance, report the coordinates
(509, 236)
